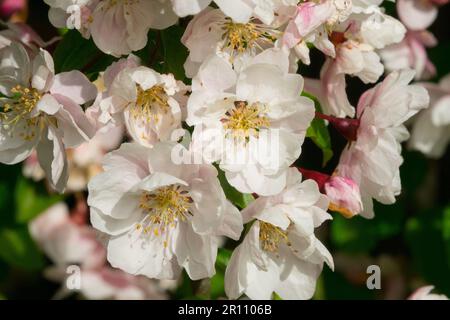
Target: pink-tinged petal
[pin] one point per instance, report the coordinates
(75, 86)
(416, 14)
(239, 10)
(185, 8)
(49, 105)
(344, 195)
(52, 158)
(43, 71)
(73, 122)
(9, 7)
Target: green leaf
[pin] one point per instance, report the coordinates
(77, 53)
(318, 133)
(223, 257)
(218, 280)
(446, 231)
(362, 235)
(18, 249)
(31, 201)
(424, 236)
(239, 199)
(175, 53)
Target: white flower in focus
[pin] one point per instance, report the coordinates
(72, 14)
(280, 252)
(150, 104)
(119, 27)
(254, 123)
(374, 159)
(211, 32)
(41, 111)
(240, 11)
(356, 42)
(431, 129)
(160, 216)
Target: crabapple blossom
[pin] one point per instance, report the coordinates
(161, 216)
(240, 11)
(253, 123)
(84, 161)
(9, 7)
(73, 14)
(374, 159)
(431, 129)
(343, 193)
(41, 111)
(311, 24)
(66, 242)
(148, 103)
(424, 293)
(418, 15)
(23, 34)
(280, 252)
(211, 32)
(120, 26)
(355, 54)
(117, 27)
(411, 53)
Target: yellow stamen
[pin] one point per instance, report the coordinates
(20, 107)
(270, 236)
(150, 103)
(240, 37)
(244, 121)
(164, 208)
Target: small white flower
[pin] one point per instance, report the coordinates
(431, 128)
(280, 253)
(253, 123)
(41, 111)
(150, 104)
(161, 217)
(374, 159)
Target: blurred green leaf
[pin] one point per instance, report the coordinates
(240, 200)
(415, 162)
(30, 201)
(175, 53)
(424, 236)
(336, 286)
(218, 280)
(362, 235)
(446, 231)
(223, 257)
(18, 249)
(8, 178)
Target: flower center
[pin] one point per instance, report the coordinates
(150, 104)
(240, 37)
(163, 208)
(245, 120)
(270, 236)
(20, 107)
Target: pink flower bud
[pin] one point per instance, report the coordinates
(9, 7)
(344, 195)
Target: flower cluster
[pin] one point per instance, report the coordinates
(157, 155)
